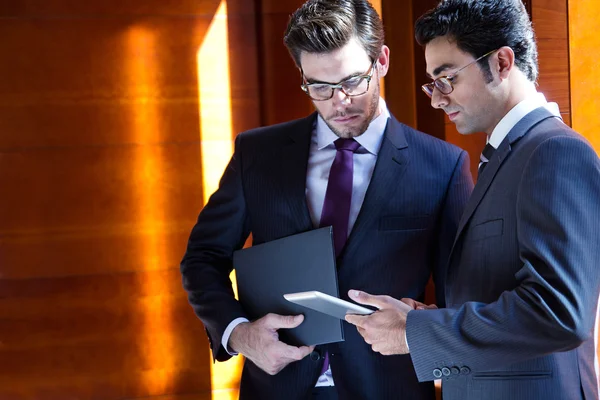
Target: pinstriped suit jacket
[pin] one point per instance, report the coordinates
(524, 275)
(402, 234)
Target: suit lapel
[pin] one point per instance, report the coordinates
(494, 164)
(389, 168)
(292, 176)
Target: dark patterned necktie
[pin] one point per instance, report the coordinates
(338, 197)
(485, 157)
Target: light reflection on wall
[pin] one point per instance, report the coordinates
(214, 88)
(584, 46)
(377, 6)
(155, 341)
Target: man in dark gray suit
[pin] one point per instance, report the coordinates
(523, 277)
(406, 194)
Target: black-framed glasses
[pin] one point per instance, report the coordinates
(351, 87)
(444, 83)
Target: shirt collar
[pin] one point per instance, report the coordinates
(517, 113)
(370, 140)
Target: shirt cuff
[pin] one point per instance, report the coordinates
(227, 333)
(406, 341)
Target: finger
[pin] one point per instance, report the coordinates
(296, 353)
(311, 348)
(275, 321)
(431, 307)
(365, 335)
(413, 303)
(367, 299)
(380, 348)
(355, 319)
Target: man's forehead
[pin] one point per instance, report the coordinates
(442, 55)
(346, 60)
(327, 67)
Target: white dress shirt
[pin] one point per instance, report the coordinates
(321, 155)
(517, 113)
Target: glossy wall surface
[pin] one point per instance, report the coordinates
(102, 179)
(116, 119)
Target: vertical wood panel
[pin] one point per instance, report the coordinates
(584, 45)
(550, 21)
(100, 161)
(429, 120)
(584, 51)
(400, 86)
(281, 97)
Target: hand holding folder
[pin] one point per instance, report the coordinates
(256, 341)
(298, 263)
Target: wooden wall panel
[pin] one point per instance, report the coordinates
(281, 97)
(584, 47)
(550, 22)
(101, 170)
(400, 87)
(107, 8)
(429, 120)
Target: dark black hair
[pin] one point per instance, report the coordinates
(480, 26)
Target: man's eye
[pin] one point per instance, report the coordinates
(320, 88)
(353, 82)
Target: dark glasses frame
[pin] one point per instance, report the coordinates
(340, 85)
(444, 83)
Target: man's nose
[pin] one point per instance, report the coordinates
(438, 99)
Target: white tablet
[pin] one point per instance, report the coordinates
(326, 304)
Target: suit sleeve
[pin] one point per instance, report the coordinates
(222, 227)
(553, 307)
(457, 195)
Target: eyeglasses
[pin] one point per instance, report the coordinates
(351, 87)
(444, 83)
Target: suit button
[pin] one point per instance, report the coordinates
(465, 370)
(437, 373)
(315, 356)
(446, 371)
(455, 370)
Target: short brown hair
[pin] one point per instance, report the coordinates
(322, 26)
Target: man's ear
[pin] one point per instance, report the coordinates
(505, 63)
(383, 62)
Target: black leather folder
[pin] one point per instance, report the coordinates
(298, 263)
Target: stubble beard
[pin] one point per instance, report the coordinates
(352, 132)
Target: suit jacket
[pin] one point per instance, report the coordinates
(523, 281)
(401, 236)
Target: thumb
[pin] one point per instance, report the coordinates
(284, 321)
(367, 299)
(414, 304)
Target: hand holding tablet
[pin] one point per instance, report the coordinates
(326, 304)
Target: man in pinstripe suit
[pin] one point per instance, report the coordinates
(408, 192)
(523, 278)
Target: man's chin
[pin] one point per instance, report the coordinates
(345, 132)
(465, 130)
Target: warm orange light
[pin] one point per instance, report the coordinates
(584, 47)
(155, 339)
(377, 6)
(216, 145)
(215, 101)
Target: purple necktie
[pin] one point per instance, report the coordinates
(336, 207)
